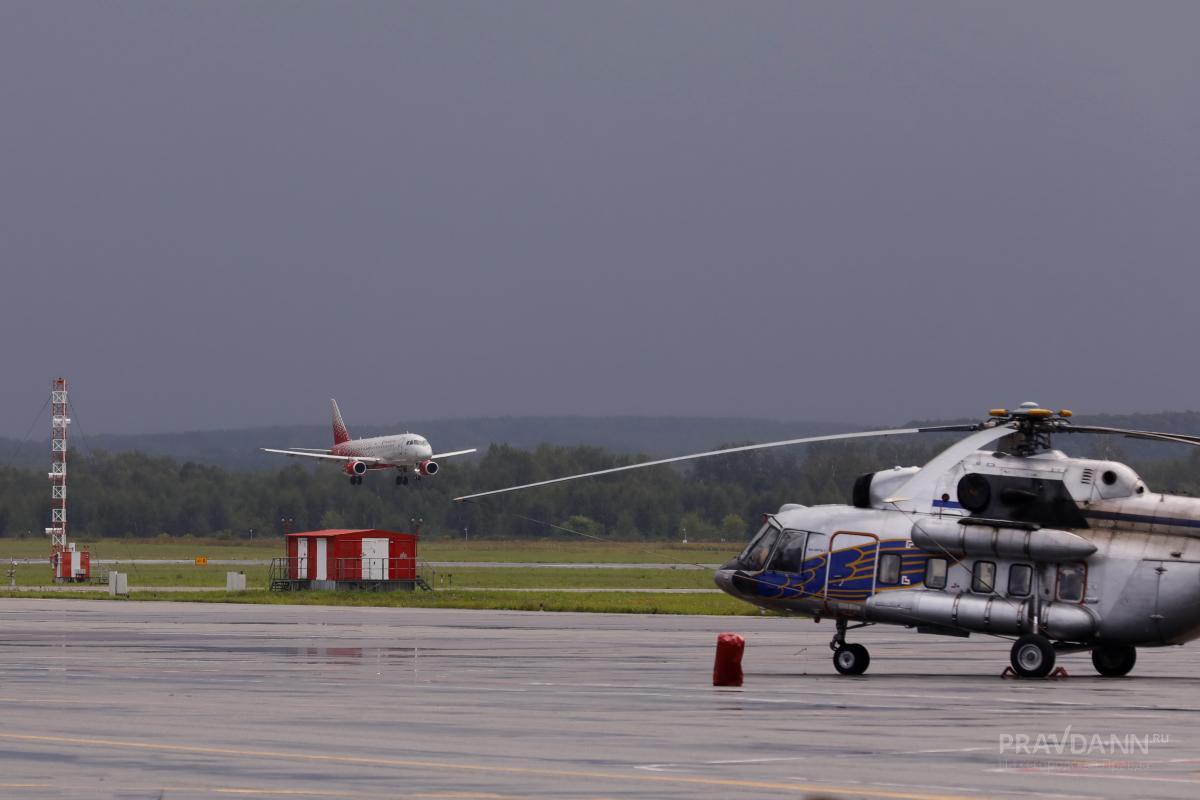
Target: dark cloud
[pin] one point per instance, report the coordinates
(221, 214)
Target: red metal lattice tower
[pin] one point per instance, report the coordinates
(59, 421)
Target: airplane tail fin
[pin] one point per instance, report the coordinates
(340, 434)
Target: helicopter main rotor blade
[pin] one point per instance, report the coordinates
(709, 454)
(1152, 436)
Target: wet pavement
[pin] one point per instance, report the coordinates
(182, 700)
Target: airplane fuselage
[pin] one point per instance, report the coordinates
(403, 451)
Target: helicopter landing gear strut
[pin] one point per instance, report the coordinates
(848, 659)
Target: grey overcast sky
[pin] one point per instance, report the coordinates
(222, 214)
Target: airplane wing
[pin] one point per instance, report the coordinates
(325, 455)
(454, 453)
(742, 449)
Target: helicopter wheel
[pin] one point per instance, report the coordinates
(851, 659)
(1032, 656)
(1114, 660)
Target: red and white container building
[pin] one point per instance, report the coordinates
(348, 559)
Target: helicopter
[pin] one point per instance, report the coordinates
(1000, 534)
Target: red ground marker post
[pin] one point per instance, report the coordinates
(727, 669)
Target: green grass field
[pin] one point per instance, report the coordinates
(576, 552)
(547, 551)
(145, 574)
(568, 578)
(455, 586)
(445, 577)
(177, 547)
(599, 602)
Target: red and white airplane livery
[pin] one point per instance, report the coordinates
(404, 452)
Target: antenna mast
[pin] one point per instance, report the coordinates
(68, 563)
(58, 466)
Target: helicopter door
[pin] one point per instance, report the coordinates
(850, 575)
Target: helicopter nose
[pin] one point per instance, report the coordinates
(736, 582)
(723, 578)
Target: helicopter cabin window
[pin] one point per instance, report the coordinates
(754, 557)
(983, 577)
(789, 555)
(816, 546)
(889, 569)
(1020, 580)
(935, 573)
(1071, 580)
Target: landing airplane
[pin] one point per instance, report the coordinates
(404, 452)
(999, 535)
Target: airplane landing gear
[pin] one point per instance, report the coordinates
(848, 659)
(402, 480)
(1114, 660)
(1033, 656)
(355, 480)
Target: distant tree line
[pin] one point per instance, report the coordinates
(132, 495)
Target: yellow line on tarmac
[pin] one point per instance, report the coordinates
(452, 766)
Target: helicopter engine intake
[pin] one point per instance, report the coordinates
(871, 489)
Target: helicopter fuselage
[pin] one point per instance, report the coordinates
(1077, 550)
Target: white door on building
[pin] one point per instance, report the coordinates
(322, 566)
(302, 558)
(375, 559)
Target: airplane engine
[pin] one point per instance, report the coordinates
(428, 467)
(356, 468)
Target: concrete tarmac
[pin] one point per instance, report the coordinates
(176, 700)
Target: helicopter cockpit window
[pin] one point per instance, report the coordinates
(816, 546)
(789, 554)
(754, 557)
(1071, 579)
